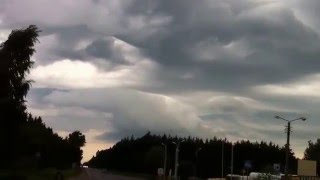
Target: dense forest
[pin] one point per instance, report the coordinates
(25, 140)
(196, 157)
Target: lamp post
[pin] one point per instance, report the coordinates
(177, 158)
(286, 168)
(165, 160)
(222, 159)
(231, 160)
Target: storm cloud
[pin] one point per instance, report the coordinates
(203, 68)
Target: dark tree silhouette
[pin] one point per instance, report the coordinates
(54, 150)
(25, 140)
(15, 63)
(76, 140)
(196, 157)
(312, 152)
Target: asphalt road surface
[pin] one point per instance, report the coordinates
(95, 174)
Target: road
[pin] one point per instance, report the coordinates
(95, 174)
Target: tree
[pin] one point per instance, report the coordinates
(128, 155)
(15, 54)
(312, 152)
(15, 63)
(154, 158)
(25, 140)
(77, 140)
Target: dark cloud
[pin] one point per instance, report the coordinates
(222, 46)
(95, 45)
(282, 48)
(106, 49)
(66, 40)
(100, 48)
(37, 94)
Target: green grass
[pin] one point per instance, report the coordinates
(34, 174)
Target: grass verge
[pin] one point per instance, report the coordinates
(35, 174)
(131, 174)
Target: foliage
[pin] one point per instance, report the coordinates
(15, 54)
(15, 63)
(54, 150)
(133, 155)
(76, 140)
(26, 141)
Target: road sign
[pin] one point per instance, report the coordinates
(276, 167)
(160, 171)
(248, 164)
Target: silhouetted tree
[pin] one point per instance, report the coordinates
(25, 139)
(15, 63)
(196, 157)
(76, 140)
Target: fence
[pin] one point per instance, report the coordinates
(308, 178)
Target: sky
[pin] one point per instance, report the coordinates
(204, 68)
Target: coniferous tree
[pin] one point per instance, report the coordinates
(196, 157)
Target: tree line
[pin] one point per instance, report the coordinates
(197, 157)
(25, 140)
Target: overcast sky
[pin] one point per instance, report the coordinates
(224, 68)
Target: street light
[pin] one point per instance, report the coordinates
(177, 158)
(231, 160)
(165, 159)
(286, 168)
(222, 159)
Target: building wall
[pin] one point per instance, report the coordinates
(307, 168)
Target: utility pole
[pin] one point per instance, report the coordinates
(177, 159)
(222, 159)
(165, 160)
(231, 160)
(286, 168)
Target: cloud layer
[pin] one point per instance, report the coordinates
(205, 68)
